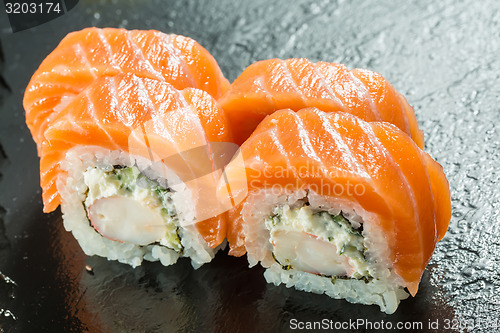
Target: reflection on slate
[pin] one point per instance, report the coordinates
(7, 285)
(3, 85)
(442, 55)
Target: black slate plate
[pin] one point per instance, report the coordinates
(442, 55)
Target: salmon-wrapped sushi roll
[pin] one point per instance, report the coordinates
(83, 56)
(274, 84)
(329, 203)
(133, 161)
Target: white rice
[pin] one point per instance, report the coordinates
(378, 292)
(386, 289)
(72, 189)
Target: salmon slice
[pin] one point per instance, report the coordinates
(323, 151)
(270, 85)
(123, 112)
(86, 55)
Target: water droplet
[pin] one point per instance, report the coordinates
(89, 269)
(7, 313)
(467, 272)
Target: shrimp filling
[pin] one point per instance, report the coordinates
(317, 242)
(124, 205)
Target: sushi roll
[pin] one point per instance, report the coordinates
(133, 163)
(270, 85)
(86, 55)
(332, 204)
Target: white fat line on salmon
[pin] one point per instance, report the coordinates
(325, 84)
(123, 205)
(175, 53)
(140, 54)
(291, 78)
(366, 94)
(80, 52)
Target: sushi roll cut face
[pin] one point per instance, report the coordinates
(121, 207)
(317, 242)
(317, 245)
(124, 205)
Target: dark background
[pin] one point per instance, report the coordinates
(443, 55)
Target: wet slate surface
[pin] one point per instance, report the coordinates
(442, 55)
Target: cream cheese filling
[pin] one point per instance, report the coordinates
(123, 205)
(317, 242)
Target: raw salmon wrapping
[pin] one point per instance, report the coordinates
(270, 85)
(332, 204)
(127, 131)
(85, 55)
